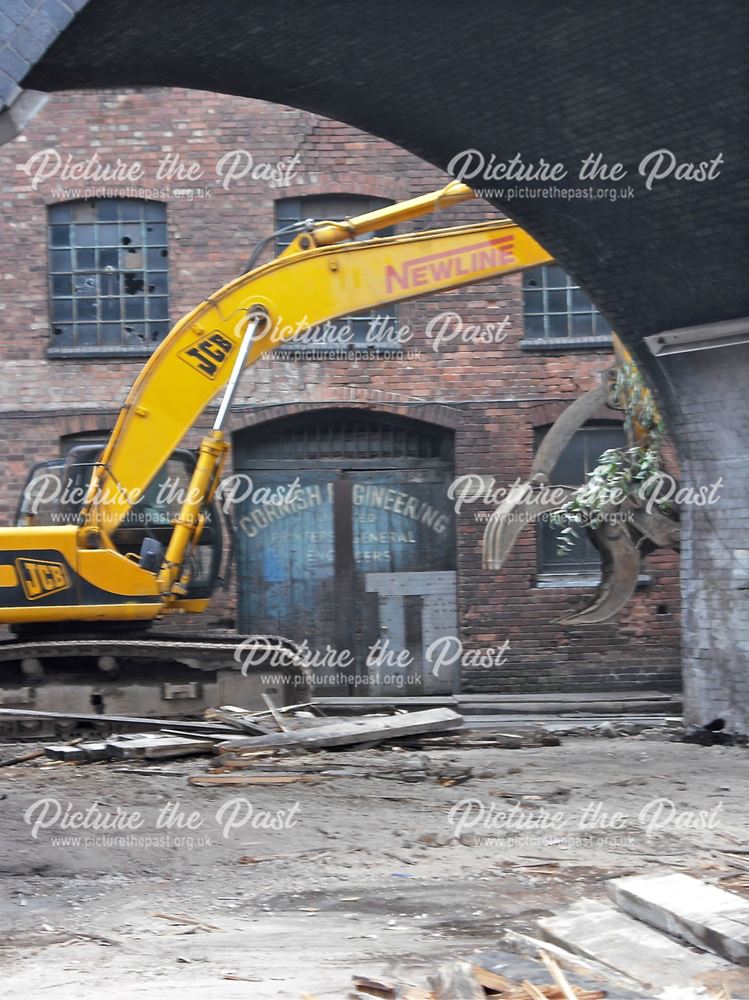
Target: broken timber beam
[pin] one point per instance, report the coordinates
(369, 729)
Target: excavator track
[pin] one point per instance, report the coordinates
(153, 675)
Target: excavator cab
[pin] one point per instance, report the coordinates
(54, 492)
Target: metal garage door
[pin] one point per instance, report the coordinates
(347, 543)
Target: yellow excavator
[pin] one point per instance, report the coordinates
(109, 554)
(106, 565)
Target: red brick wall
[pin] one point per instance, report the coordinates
(493, 391)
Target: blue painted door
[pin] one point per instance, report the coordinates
(358, 564)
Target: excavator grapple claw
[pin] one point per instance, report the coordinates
(620, 569)
(528, 501)
(523, 505)
(622, 537)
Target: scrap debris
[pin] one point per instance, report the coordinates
(593, 951)
(473, 980)
(460, 722)
(242, 739)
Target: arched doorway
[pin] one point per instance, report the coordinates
(347, 543)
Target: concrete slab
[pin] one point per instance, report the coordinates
(604, 934)
(702, 914)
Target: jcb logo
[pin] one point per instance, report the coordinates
(42, 579)
(208, 354)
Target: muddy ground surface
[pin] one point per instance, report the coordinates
(293, 888)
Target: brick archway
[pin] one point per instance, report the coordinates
(345, 398)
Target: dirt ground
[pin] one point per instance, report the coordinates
(293, 888)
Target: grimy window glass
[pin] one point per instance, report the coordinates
(555, 308)
(109, 279)
(366, 327)
(578, 459)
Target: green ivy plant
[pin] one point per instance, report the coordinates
(621, 472)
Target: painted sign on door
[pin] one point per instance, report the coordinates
(357, 563)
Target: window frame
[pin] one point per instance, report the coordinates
(580, 573)
(550, 284)
(114, 224)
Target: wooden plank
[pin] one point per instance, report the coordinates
(502, 970)
(376, 701)
(384, 988)
(582, 698)
(533, 991)
(557, 975)
(22, 758)
(206, 780)
(236, 718)
(702, 914)
(87, 752)
(368, 729)
(279, 720)
(156, 746)
(606, 936)
(493, 980)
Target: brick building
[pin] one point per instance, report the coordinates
(96, 264)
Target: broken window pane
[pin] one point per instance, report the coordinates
(156, 259)
(130, 234)
(134, 334)
(84, 284)
(83, 211)
(62, 336)
(133, 283)
(132, 258)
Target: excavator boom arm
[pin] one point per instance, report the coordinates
(294, 292)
